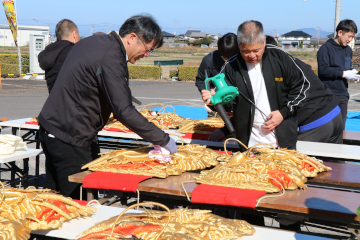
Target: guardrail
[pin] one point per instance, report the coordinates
(18, 75)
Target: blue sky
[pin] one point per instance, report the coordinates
(206, 15)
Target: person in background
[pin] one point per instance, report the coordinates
(215, 62)
(319, 120)
(334, 64)
(53, 56)
(269, 78)
(93, 82)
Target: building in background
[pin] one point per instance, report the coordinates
(6, 38)
(168, 37)
(215, 36)
(294, 38)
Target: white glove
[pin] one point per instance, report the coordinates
(351, 75)
(160, 153)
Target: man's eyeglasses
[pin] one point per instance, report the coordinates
(149, 51)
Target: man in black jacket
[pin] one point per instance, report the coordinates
(269, 78)
(53, 56)
(93, 82)
(319, 119)
(334, 64)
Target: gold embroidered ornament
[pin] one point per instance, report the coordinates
(189, 157)
(201, 125)
(17, 229)
(161, 119)
(45, 209)
(176, 224)
(269, 169)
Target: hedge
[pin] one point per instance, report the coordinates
(187, 73)
(173, 73)
(144, 72)
(10, 63)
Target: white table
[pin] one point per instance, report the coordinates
(19, 155)
(343, 151)
(9, 161)
(329, 150)
(277, 234)
(20, 123)
(74, 227)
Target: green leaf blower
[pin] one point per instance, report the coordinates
(224, 94)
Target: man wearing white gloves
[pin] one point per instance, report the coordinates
(334, 64)
(92, 83)
(352, 75)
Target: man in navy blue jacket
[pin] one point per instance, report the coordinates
(334, 64)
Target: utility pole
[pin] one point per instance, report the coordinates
(35, 20)
(92, 29)
(107, 28)
(337, 15)
(318, 35)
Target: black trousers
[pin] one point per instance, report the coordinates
(62, 160)
(342, 101)
(331, 132)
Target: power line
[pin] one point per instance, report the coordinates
(296, 13)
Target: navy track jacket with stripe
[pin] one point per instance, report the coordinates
(286, 86)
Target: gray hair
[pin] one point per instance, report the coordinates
(64, 28)
(251, 32)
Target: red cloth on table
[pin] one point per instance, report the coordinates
(81, 202)
(223, 152)
(33, 123)
(211, 194)
(113, 181)
(115, 129)
(208, 129)
(199, 136)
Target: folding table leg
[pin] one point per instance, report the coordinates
(12, 174)
(90, 193)
(37, 160)
(14, 129)
(25, 179)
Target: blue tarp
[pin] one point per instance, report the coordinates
(186, 111)
(353, 121)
